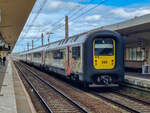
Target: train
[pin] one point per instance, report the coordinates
(91, 58)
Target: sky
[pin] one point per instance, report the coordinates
(48, 16)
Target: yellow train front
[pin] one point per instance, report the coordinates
(104, 58)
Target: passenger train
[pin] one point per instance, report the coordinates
(92, 58)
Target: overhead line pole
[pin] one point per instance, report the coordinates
(66, 27)
(48, 38)
(27, 46)
(32, 44)
(42, 39)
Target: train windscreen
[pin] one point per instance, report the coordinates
(104, 47)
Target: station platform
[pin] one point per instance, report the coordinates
(13, 95)
(138, 79)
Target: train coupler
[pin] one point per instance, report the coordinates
(104, 79)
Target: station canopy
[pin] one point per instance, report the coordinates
(13, 16)
(132, 29)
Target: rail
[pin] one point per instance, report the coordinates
(58, 91)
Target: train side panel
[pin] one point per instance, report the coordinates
(55, 60)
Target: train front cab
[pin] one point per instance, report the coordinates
(104, 60)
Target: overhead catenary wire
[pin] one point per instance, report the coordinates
(36, 16)
(83, 13)
(81, 9)
(102, 2)
(56, 24)
(73, 16)
(72, 13)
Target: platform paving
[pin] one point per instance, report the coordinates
(2, 74)
(7, 98)
(13, 95)
(139, 79)
(139, 75)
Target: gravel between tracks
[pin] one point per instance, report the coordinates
(93, 104)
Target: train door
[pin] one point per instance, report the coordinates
(31, 58)
(26, 58)
(148, 60)
(42, 53)
(68, 61)
(75, 59)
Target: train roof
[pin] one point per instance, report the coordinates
(77, 39)
(33, 50)
(73, 40)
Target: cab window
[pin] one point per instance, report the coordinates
(103, 47)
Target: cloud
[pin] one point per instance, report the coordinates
(53, 6)
(130, 13)
(93, 18)
(54, 10)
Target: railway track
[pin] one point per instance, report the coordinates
(144, 102)
(53, 99)
(94, 105)
(129, 103)
(126, 102)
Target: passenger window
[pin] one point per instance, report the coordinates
(49, 54)
(38, 55)
(58, 54)
(76, 52)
